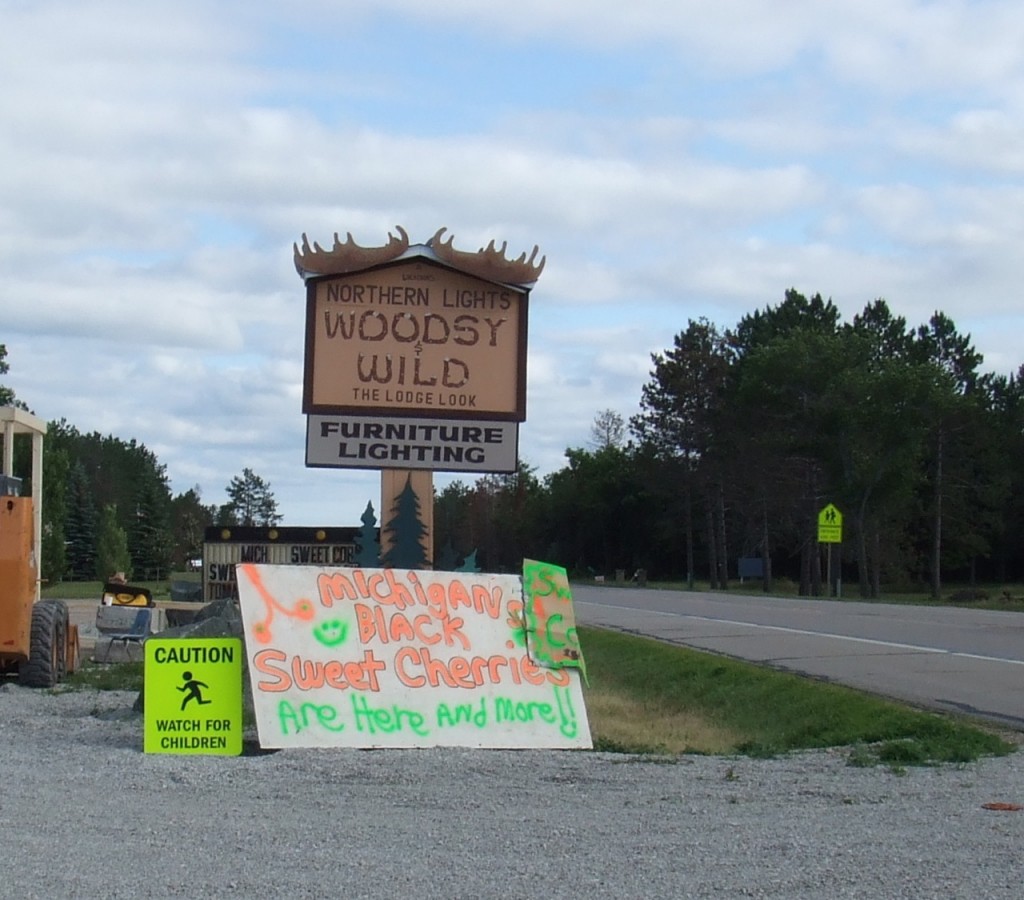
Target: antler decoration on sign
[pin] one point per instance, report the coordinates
(347, 257)
(489, 262)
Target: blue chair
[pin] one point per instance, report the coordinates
(126, 631)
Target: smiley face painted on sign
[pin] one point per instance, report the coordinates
(331, 632)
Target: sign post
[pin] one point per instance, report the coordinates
(415, 360)
(830, 531)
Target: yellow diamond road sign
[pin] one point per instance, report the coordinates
(830, 526)
(193, 696)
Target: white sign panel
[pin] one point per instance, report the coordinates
(356, 657)
(442, 445)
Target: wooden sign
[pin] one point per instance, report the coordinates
(421, 330)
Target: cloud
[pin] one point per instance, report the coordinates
(671, 160)
(891, 46)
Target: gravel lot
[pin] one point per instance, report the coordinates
(85, 813)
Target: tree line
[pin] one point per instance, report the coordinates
(744, 434)
(741, 436)
(108, 507)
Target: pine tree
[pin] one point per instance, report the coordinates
(151, 534)
(56, 467)
(81, 525)
(7, 397)
(250, 502)
(448, 561)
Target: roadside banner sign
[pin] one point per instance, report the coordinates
(830, 526)
(371, 657)
(193, 696)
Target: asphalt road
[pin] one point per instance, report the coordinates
(951, 659)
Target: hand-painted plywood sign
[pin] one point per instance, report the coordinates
(551, 622)
(421, 330)
(354, 657)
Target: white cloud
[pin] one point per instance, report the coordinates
(672, 160)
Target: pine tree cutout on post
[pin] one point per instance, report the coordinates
(367, 546)
(406, 531)
(469, 564)
(448, 559)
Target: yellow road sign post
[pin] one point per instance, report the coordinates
(830, 531)
(193, 696)
(830, 525)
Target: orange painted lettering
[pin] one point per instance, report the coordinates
(365, 622)
(333, 588)
(413, 656)
(264, 662)
(459, 670)
(458, 595)
(532, 673)
(485, 601)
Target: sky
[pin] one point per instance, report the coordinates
(672, 159)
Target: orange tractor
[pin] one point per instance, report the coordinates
(37, 642)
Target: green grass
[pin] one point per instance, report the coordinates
(737, 707)
(93, 590)
(92, 676)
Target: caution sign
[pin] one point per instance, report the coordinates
(830, 526)
(193, 696)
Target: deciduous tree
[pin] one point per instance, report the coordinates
(608, 430)
(112, 554)
(189, 519)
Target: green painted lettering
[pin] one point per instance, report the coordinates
(462, 714)
(325, 716)
(372, 720)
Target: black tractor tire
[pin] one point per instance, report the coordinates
(63, 623)
(47, 660)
